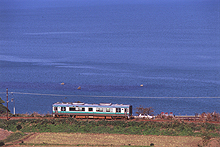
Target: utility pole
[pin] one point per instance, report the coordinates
(7, 101)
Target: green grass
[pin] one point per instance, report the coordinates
(71, 125)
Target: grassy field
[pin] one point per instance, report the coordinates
(71, 125)
(70, 131)
(80, 139)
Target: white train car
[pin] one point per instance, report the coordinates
(100, 111)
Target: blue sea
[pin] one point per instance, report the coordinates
(110, 48)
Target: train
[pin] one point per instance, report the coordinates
(96, 111)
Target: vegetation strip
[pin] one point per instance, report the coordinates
(205, 131)
(70, 125)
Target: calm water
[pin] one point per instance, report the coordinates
(110, 48)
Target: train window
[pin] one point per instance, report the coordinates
(99, 109)
(72, 109)
(55, 108)
(63, 108)
(125, 110)
(107, 109)
(90, 109)
(81, 109)
(118, 109)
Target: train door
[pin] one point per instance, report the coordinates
(122, 110)
(59, 108)
(130, 110)
(126, 111)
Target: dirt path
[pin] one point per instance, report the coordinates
(4, 134)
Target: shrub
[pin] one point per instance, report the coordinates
(19, 127)
(216, 116)
(145, 111)
(2, 143)
(209, 126)
(205, 138)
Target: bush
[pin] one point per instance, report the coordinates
(2, 143)
(205, 138)
(19, 127)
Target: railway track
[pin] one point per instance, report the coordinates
(184, 119)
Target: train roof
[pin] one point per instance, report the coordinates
(70, 104)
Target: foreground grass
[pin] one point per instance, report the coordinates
(70, 125)
(59, 128)
(79, 139)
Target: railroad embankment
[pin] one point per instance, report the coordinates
(206, 130)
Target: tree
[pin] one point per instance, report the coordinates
(145, 111)
(3, 109)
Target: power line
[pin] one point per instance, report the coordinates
(96, 96)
